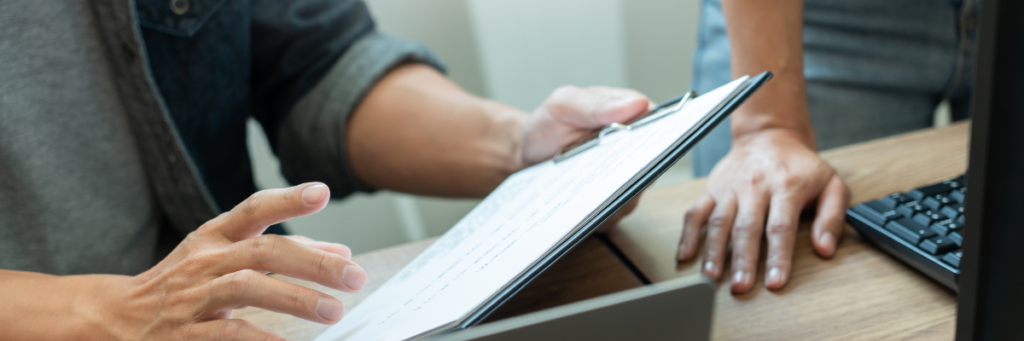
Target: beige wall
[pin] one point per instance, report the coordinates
(516, 51)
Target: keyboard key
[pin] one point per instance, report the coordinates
(955, 182)
(956, 238)
(926, 218)
(961, 179)
(937, 245)
(893, 200)
(937, 202)
(953, 258)
(939, 188)
(960, 220)
(952, 211)
(943, 227)
(910, 208)
(957, 195)
(909, 230)
(876, 212)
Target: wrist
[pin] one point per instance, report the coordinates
(804, 136)
(100, 307)
(772, 137)
(512, 123)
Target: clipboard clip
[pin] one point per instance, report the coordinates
(596, 138)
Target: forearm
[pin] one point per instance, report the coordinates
(36, 306)
(418, 132)
(767, 35)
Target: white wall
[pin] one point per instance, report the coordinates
(516, 51)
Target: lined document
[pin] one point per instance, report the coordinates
(526, 217)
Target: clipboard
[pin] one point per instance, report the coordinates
(669, 158)
(536, 215)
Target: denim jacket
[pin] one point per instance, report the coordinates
(191, 72)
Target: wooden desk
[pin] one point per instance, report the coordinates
(860, 293)
(587, 271)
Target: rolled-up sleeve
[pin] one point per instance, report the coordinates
(311, 139)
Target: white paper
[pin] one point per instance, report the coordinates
(527, 216)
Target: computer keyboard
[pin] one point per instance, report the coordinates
(922, 227)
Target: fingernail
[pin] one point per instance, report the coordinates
(313, 194)
(681, 252)
(827, 239)
(329, 309)
(740, 277)
(353, 277)
(775, 277)
(709, 268)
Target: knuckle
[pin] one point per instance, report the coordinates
(197, 262)
(300, 300)
(717, 221)
(195, 237)
(185, 298)
(323, 264)
(252, 205)
(779, 226)
(744, 230)
(232, 329)
(265, 247)
(240, 283)
(791, 181)
(755, 177)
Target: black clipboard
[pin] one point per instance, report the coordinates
(662, 164)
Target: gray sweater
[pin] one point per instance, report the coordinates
(91, 169)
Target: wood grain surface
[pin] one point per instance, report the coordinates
(860, 293)
(589, 270)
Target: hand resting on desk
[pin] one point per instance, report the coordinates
(771, 174)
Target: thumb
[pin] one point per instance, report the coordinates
(595, 107)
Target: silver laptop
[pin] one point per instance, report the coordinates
(679, 309)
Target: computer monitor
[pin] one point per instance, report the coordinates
(990, 305)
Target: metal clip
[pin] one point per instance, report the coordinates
(593, 140)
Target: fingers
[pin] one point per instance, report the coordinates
(230, 330)
(335, 248)
(829, 222)
(746, 241)
(719, 227)
(783, 216)
(285, 256)
(693, 221)
(595, 107)
(251, 288)
(267, 207)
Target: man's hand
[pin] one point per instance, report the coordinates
(773, 174)
(417, 132)
(221, 267)
(571, 113)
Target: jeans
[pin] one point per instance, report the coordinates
(874, 68)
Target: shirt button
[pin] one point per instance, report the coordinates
(179, 7)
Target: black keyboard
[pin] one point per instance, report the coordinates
(922, 227)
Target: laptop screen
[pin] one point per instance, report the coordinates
(991, 298)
